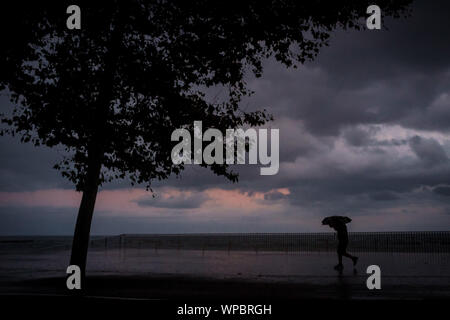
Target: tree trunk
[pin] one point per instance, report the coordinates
(80, 242)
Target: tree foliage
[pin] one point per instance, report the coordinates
(115, 90)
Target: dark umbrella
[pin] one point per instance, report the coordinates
(336, 219)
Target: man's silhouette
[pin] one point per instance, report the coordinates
(338, 224)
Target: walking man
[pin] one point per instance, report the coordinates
(338, 224)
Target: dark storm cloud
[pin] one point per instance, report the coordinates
(24, 167)
(384, 196)
(274, 196)
(428, 150)
(358, 136)
(418, 44)
(364, 137)
(442, 190)
(436, 115)
(365, 77)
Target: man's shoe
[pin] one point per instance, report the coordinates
(339, 267)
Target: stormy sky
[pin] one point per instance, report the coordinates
(364, 132)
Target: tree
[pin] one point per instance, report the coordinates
(112, 92)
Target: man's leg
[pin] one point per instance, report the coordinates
(348, 255)
(339, 266)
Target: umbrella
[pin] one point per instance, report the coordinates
(336, 219)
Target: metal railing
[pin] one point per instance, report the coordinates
(425, 241)
(432, 241)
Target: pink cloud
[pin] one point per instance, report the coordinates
(216, 201)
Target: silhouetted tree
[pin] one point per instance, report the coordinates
(113, 92)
